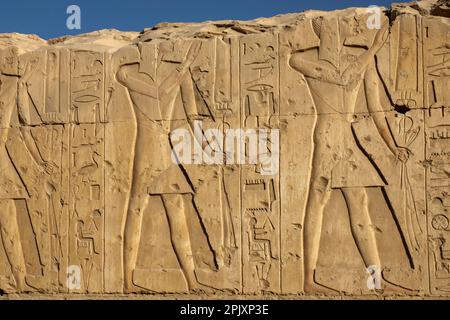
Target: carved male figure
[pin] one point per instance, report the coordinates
(154, 173)
(12, 188)
(335, 71)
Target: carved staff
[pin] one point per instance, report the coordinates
(407, 136)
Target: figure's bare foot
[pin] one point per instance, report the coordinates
(35, 283)
(201, 289)
(133, 288)
(399, 286)
(217, 280)
(313, 288)
(130, 287)
(392, 288)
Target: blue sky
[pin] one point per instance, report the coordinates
(47, 18)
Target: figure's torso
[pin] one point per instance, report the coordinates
(331, 98)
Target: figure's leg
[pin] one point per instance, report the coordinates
(319, 194)
(179, 234)
(364, 234)
(132, 236)
(12, 243)
(361, 225)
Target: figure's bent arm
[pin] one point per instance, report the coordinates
(175, 78)
(23, 99)
(365, 59)
(372, 90)
(8, 100)
(314, 70)
(128, 75)
(31, 145)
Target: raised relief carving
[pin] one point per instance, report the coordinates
(304, 154)
(335, 75)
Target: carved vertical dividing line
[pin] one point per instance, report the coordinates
(44, 81)
(235, 103)
(426, 201)
(277, 109)
(66, 191)
(428, 260)
(69, 153)
(214, 52)
(65, 161)
(51, 126)
(419, 55)
(241, 207)
(397, 55)
(103, 171)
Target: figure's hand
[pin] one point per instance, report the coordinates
(194, 49)
(403, 154)
(381, 36)
(48, 167)
(193, 52)
(351, 74)
(405, 98)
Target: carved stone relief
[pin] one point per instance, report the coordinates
(305, 154)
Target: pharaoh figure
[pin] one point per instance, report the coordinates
(336, 70)
(153, 89)
(12, 187)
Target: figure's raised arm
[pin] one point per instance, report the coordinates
(319, 70)
(129, 76)
(372, 90)
(364, 60)
(175, 78)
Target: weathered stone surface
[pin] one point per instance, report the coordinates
(112, 180)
